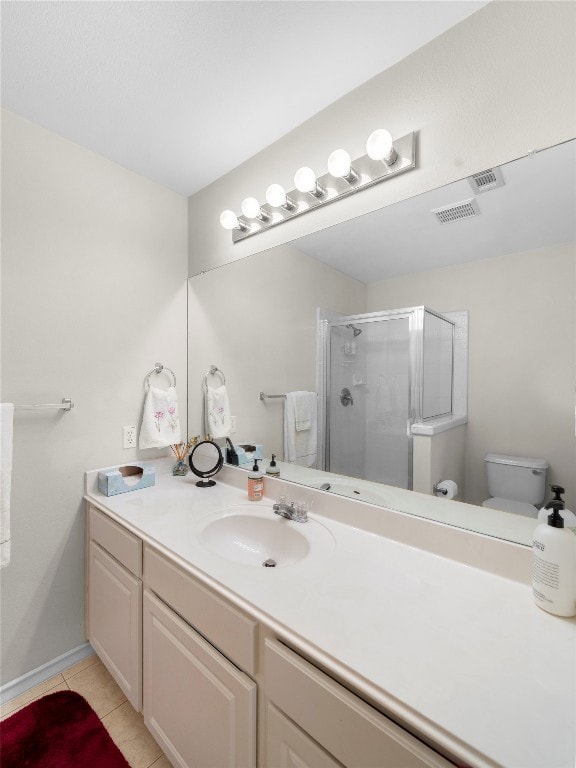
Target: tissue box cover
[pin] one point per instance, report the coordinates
(245, 454)
(131, 477)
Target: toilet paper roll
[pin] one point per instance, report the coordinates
(447, 489)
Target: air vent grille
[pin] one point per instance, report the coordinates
(457, 211)
(486, 180)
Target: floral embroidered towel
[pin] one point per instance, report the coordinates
(218, 420)
(160, 420)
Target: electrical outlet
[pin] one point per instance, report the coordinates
(129, 437)
(232, 424)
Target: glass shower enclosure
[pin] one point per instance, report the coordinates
(384, 371)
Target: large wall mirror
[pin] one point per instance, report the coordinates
(506, 272)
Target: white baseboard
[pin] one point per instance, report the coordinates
(22, 684)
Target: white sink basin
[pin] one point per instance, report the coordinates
(260, 538)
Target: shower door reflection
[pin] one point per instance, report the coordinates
(385, 370)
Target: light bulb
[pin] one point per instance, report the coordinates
(276, 197)
(229, 220)
(340, 166)
(380, 147)
(339, 163)
(305, 180)
(250, 207)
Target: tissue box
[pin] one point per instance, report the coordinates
(131, 477)
(247, 452)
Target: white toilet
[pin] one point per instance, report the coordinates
(517, 484)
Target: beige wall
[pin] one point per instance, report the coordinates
(262, 339)
(495, 86)
(522, 337)
(93, 294)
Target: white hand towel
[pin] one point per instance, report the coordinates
(218, 420)
(6, 430)
(302, 410)
(160, 420)
(300, 446)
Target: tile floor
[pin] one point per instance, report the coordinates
(92, 680)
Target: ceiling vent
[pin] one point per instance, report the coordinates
(486, 180)
(457, 211)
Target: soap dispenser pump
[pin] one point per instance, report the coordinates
(554, 568)
(557, 503)
(256, 482)
(557, 500)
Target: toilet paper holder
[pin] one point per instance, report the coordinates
(446, 488)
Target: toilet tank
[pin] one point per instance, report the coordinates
(516, 477)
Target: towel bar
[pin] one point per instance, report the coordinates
(264, 396)
(65, 405)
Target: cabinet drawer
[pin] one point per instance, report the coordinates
(227, 628)
(349, 729)
(120, 543)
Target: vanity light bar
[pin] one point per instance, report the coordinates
(383, 160)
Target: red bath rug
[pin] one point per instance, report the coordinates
(59, 730)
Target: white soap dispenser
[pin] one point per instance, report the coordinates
(554, 567)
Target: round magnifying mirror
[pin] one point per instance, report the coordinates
(206, 463)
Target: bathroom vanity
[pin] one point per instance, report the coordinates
(377, 640)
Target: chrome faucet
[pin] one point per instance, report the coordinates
(293, 510)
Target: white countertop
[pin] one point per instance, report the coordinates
(459, 653)
(438, 424)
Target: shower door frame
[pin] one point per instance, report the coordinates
(415, 317)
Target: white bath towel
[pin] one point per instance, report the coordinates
(303, 410)
(218, 419)
(300, 445)
(160, 420)
(6, 429)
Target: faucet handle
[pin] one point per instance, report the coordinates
(301, 509)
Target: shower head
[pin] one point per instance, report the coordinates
(357, 331)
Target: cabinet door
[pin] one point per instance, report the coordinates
(115, 621)
(198, 706)
(289, 747)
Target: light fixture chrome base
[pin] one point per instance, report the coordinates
(370, 172)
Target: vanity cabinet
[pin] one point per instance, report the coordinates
(218, 690)
(199, 704)
(314, 721)
(114, 602)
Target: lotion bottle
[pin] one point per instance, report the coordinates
(255, 482)
(554, 568)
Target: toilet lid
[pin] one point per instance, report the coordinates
(509, 505)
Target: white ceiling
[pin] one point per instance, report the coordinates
(182, 92)
(535, 208)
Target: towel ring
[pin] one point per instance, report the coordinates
(159, 368)
(213, 370)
